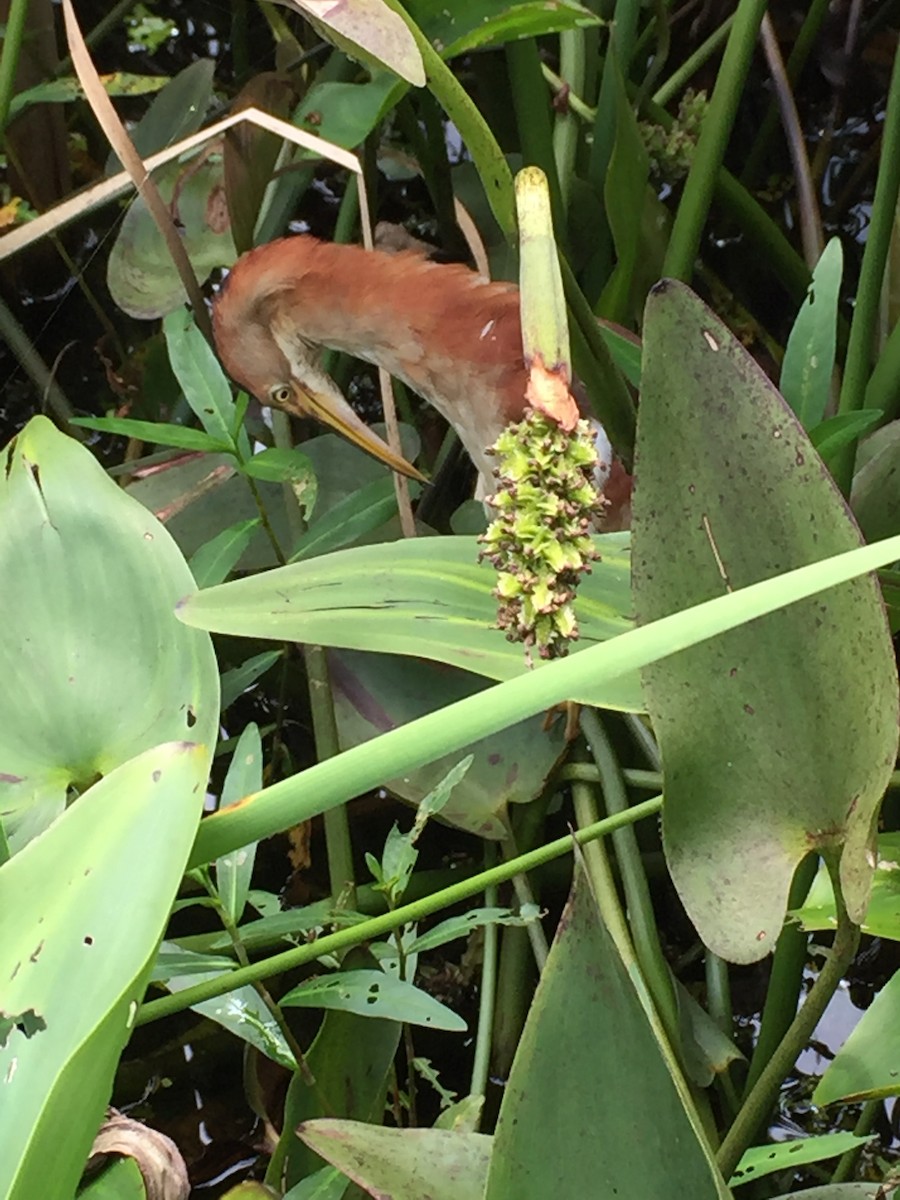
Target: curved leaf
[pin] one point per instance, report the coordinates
(427, 597)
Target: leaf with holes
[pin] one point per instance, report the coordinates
(374, 994)
(780, 736)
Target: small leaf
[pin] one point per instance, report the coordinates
(462, 926)
(233, 870)
(158, 433)
(374, 994)
(831, 436)
(236, 681)
(202, 380)
(809, 356)
(788, 1156)
(215, 560)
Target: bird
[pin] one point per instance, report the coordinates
(450, 335)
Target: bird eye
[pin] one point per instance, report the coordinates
(281, 394)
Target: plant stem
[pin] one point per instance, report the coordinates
(533, 120)
(857, 367)
(764, 1093)
(846, 1167)
(679, 79)
(565, 129)
(641, 919)
(786, 978)
(807, 204)
(487, 992)
(337, 826)
(415, 911)
(600, 874)
(693, 210)
(9, 57)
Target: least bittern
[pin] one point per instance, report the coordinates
(452, 337)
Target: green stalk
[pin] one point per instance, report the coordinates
(417, 910)
(487, 992)
(565, 128)
(857, 367)
(337, 826)
(593, 364)
(533, 120)
(600, 874)
(680, 78)
(786, 978)
(492, 167)
(846, 1167)
(9, 57)
(641, 918)
(693, 210)
(764, 1093)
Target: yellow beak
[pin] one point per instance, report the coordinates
(332, 409)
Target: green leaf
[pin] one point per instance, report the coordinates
(867, 1066)
(374, 994)
(831, 436)
(178, 110)
(233, 870)
(120, 1179)
(140, 273)
(236, 681)
(349, 1061)
(158, 433)
(105, 671)
(474, 24)
(779, 737)
(437, 1163)
(463, 925)
(788, 1156)
(74, 971)
(647, 1108)
(326, 1184)
(197, 370)
(882, 917)
(64, 91)
(875, 497)
(243, 1013)
(809, 355)
(350, 519)
(625, 197)
(216, 559)
(425, 597)
(278, 465)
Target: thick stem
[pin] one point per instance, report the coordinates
(693, 210)
(764, 1093)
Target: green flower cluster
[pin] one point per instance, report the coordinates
(672, 151)
(546, 502)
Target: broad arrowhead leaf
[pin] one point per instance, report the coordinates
(575, 1119)
(779, 737)
(74, 968)
(98, 667)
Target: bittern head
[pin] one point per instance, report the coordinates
(261, 348)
